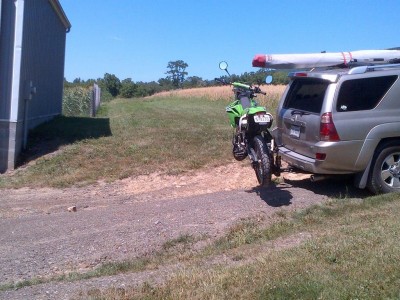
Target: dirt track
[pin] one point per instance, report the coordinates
(132, 218)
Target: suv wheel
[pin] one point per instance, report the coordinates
(385, 173)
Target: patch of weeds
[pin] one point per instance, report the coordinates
(281, 214)
(183, 239)
(250, 230)
(23, 283)
(244, 232)
(6, 287)
(301, 289)
(107, 269)
(238, 257)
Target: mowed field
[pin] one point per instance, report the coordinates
(169, 133)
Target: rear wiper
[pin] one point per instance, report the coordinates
(299, 112)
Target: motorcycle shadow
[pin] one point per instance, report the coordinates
(274, 195)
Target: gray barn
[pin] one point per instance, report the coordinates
(32, 54)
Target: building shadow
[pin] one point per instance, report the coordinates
(50, 136)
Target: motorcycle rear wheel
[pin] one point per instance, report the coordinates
(263, 166)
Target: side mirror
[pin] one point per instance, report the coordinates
(223, 65)
(268, 79)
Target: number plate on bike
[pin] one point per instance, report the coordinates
(295, 131)
(262, 119)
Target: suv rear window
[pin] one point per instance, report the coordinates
(306, 94)
(363, 94)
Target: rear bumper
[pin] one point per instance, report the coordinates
(332, 164)
(298, 161)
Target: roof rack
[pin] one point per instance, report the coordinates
(364, 69)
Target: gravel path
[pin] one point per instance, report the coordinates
(131, 218)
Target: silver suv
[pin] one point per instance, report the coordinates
(344, 122)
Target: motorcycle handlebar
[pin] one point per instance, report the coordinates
(256, 89)
(221, 81)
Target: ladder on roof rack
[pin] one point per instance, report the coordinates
(364, 69)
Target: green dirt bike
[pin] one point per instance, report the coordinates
(251, 137)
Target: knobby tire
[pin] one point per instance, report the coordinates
(263, 167)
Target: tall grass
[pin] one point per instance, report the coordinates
(224, 93)
(76, 101)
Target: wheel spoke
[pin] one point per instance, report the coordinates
(385, 174)
(395, 182)
(389, 160)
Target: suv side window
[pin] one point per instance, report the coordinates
(306, 94)
(363, 94)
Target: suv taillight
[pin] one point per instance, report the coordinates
(328, 131)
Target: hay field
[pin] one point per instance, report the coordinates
(274, 92)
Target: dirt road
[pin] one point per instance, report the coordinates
(39, 237)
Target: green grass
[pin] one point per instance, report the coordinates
(129, 138)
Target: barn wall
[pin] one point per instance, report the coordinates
(42, 62)
(7, 131)
(32, 53)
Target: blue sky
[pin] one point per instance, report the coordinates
(137, 38)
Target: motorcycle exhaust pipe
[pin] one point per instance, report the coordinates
(316, 178)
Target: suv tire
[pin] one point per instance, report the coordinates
(385, 173)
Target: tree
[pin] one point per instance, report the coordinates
(176, 72)
(165, 83)
(112, 84)
(128, 88)
(193, 81)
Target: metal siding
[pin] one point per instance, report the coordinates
(43, 60)
(6, 56)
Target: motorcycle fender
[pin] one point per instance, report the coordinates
(254, 110)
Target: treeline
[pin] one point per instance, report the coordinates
(113, 87)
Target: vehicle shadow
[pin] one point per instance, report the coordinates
(278, 195)
(334, 187)
(50, 136)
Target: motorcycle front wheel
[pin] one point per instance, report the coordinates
(263, 166)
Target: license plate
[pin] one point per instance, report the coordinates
(262, 118)
(295, 131)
